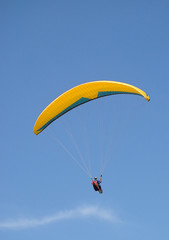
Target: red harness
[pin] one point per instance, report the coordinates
(95, 185)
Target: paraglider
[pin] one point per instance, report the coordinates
(82, 94)
(97, 184)
(79, 95)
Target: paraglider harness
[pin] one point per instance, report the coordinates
(96, 185)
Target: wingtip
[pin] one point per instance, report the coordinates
(147, 98)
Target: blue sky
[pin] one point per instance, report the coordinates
(48, 47)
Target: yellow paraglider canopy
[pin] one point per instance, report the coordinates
(82, 94)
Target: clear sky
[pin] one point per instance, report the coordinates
(48, 47)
